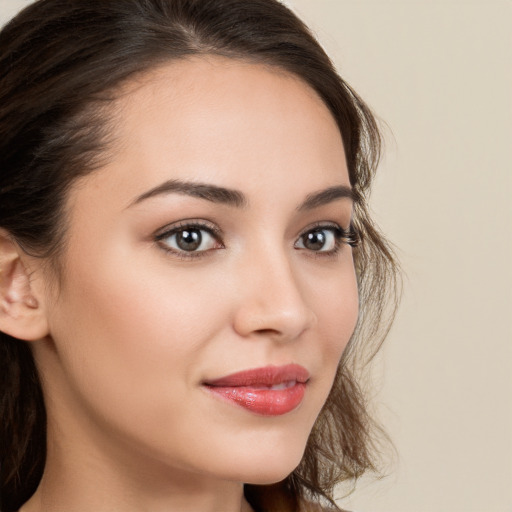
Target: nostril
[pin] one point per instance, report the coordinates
(267, 332)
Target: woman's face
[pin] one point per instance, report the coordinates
(211, 243)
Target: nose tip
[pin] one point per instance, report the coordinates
(279, 324)
(273, 305)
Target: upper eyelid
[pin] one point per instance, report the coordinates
(172, 228)
(323, 225)
(216, 230)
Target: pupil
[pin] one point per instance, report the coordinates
(315, 240)
(188, 239)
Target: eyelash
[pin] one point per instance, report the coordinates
(342, 236)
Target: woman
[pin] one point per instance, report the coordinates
(188, 269)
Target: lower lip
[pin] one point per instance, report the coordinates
(265, 402)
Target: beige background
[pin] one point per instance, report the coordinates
(439, 74)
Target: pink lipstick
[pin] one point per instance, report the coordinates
(268, 391)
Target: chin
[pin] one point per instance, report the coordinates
(268, 478)
(267, 469)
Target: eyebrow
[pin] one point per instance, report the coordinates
(212, 193)
(237, 199)
(327, 196)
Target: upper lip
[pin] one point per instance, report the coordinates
(265, 376)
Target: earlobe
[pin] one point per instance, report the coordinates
(21, 312)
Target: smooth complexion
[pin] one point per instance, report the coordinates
(137, 325)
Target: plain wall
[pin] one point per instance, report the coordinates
(439, 74)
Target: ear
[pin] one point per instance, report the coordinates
(21, 312)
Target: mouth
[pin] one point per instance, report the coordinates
(268, 391)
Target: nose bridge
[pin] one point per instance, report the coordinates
(272, 300)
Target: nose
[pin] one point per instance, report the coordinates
(271, 301)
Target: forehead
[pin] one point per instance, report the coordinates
(210, 115)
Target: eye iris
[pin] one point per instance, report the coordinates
(189, 239)
(315, 240)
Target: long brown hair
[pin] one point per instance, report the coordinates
(61, 63)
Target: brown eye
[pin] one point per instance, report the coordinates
(315, 240)
(189, 239)
(320, 240)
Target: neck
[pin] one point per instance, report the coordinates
(83, 474)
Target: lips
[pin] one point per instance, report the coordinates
(268, 391)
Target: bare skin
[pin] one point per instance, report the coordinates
(137, 325)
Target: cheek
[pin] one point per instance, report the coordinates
(337, 310)
(133, 335)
